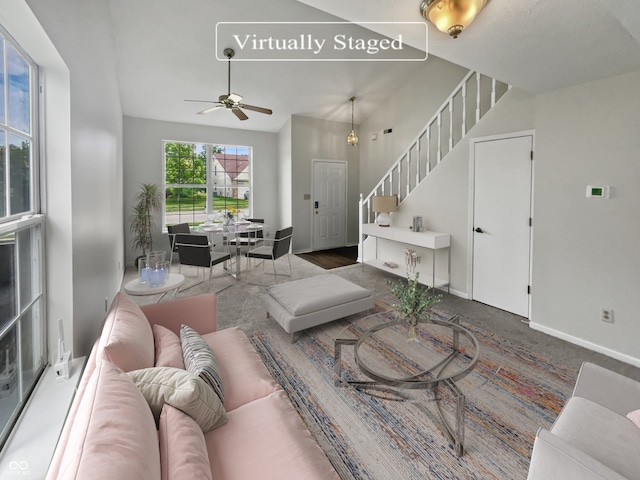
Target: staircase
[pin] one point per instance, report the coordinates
(474, 96)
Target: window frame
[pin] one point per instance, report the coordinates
(33, 309)
(210, 186)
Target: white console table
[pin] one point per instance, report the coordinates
(405, 237)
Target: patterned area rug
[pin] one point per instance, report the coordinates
(509, 395)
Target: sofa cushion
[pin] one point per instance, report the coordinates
(183, 390)
(244, 376)
(618, 440)
(199, 359)
(127, 338)
(183, 453)
(266, 439)
(313, 294)
(168, 351)
(102, 443)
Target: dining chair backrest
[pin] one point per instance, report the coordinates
(282, 242)
(193, 250)
(254, 233)
(173, 230)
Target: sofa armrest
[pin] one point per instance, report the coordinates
(199, 312)
(552, 457)
(607, 388)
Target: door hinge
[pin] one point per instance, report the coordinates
(530, 222)
(528, 289)
(531, 154)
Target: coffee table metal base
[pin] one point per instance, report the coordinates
(453, 431)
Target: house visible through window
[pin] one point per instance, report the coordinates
(205, 181)
(23, 354)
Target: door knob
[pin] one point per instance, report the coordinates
(479, 230)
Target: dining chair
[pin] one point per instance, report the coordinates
(195, 250)
(281, 242)
(173, 230)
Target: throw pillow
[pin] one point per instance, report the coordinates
(168, 348)
(182, 390)
(634, 417)
(200, 360)
(127, 338)
(183, 451)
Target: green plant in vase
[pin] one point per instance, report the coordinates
(141, 222)
(415, 302)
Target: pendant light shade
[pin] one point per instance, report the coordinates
(352, 138)
(451, 16)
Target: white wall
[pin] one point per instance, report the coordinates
(143, 157)
(83, 166)
(406, 112)
(284, 176)
(322, 140)
(586, 253)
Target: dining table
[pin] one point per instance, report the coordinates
(235, 230)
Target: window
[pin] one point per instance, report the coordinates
(202, 181)
(23, 354)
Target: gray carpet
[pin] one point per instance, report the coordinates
(240, 304)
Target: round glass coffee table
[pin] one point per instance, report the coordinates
(174, 281)
(441, 353)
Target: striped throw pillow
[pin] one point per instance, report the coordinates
(199, 359)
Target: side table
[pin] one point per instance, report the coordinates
(175, 280)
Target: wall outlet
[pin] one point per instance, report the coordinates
(606, 315)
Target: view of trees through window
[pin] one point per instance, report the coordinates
(205, 181)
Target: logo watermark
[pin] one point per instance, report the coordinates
(18, 468)
(322, 41)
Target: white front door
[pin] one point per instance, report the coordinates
(329, 204)
(501, 223)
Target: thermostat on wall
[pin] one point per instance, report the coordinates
(597, 191)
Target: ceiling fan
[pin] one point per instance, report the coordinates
(231, 101)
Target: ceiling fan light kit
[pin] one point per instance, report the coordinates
(451, 16)
(352, 138)
(231, 101)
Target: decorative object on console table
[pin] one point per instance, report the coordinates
(414, 303)
(383, 206)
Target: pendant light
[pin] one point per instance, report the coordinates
(352, 139)
(451, 16)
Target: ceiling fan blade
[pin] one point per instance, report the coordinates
(210, 109)
(235, 98)
(202, 101)
(268, 111)
(239, 113)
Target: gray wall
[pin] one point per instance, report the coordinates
(320, 140)
(84, 192)
(586, 253)
(143, 157)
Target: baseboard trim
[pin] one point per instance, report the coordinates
(586, 344)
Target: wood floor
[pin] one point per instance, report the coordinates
(333, 258)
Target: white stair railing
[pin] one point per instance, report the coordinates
(474, 96)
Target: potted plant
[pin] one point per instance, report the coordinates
(141, 223)
(414, 302)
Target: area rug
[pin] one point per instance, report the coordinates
(509, 395)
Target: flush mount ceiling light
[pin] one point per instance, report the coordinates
(451, 16)
(352, 139)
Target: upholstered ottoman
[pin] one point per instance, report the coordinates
(313, 301)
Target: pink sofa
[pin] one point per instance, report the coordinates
(111, 433)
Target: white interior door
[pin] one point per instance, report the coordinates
(501, 223)
(329, 204)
